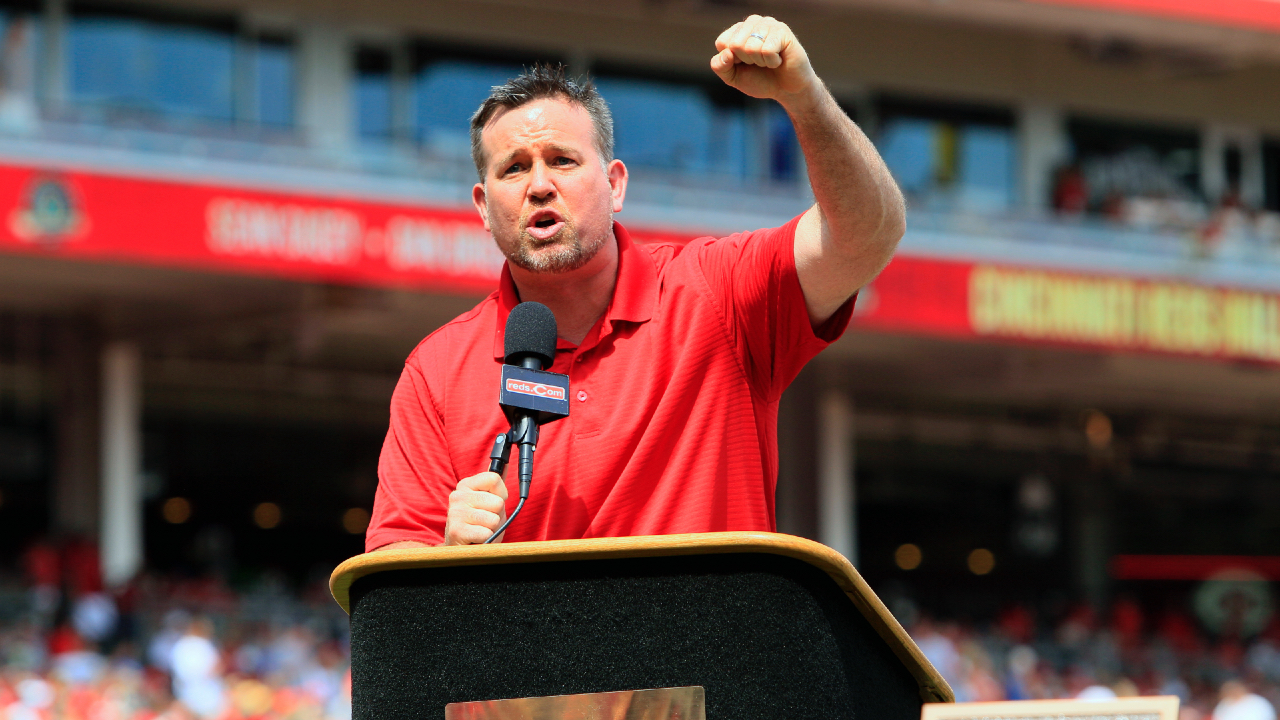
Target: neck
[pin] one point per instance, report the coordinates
(577, 298)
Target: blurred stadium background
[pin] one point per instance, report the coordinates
(1050, 438)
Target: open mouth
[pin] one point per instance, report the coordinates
(544, 224)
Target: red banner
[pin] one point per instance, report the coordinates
(918, 295)
(99, 217)
(956, 299)
(1253, 14)
(1192, 567)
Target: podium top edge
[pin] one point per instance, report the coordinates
(933, 688)
(584, 549)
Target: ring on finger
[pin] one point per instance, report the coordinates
(757, 35)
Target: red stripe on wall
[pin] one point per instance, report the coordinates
(1253, 14)
(92, 216)
(919, 295)
(1190, 567)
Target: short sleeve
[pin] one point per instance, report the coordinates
(752, 279)
(414, 476)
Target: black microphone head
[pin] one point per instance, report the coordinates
(531, 332)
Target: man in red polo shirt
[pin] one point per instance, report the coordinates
(677, 356)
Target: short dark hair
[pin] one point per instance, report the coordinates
(535, 83)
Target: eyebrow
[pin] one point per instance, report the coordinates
(565, 149)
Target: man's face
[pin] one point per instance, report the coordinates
(546, 196)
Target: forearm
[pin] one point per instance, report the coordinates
(862, 211)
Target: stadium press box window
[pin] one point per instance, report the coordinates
(373, 93)
(448, 92)
(950, 157)
(133, 62)
(695, 125)
(151, 64)
(273, 80)
(448, 82)
(1121, 161)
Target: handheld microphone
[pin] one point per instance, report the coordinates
(529, 396)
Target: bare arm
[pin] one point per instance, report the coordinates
(850, 234)
(848, 237)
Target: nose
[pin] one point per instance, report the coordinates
(540, 185)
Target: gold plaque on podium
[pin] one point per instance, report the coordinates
(1138, 708)
(682, 703)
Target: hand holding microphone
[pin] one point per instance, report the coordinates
(529, 397)
(476, 508)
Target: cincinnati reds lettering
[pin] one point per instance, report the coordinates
(536, 389)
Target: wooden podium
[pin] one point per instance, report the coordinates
(770, 626)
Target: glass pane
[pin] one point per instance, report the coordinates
(273, 77)
(373, 93)
(676, 127)
(986, 168)
(107, 60)
(658, 125)
(168, 68)
(946, 165)
(448, 93)
(373, 105)
(784, 147)
(192, 71)
(907, 144)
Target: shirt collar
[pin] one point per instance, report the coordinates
(635, 296)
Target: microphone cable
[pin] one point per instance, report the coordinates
(526, 433)
(503, 527)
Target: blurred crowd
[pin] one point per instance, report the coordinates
(1136, 190)
(195, 649)
(167, 649)
(1118, 653)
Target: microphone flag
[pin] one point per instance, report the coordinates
(542, 394)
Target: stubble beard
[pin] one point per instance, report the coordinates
(563, 252)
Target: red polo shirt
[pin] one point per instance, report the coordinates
(674, 401)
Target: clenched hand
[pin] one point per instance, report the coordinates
(762, 58)
(476, 508)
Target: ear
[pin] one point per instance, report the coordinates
(617, 183)
(481, 201)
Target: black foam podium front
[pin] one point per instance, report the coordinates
(770, 626)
